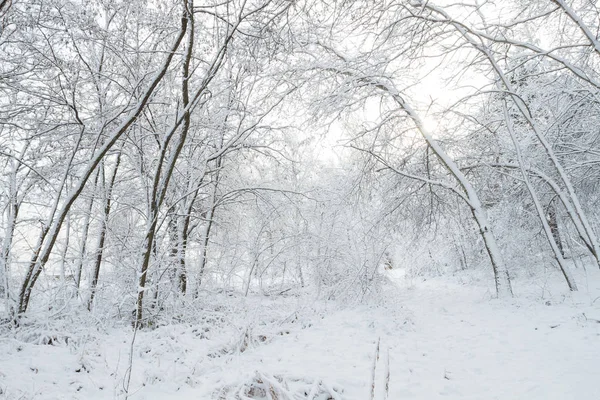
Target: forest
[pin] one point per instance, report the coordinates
(299, 199)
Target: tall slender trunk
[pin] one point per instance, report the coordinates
(108, 190)
(174, 229)
(148, 246)
(183, 235)
(161, 182)
(184, 232)
(5, 253)
(210, 215)
(12, 212)
(86, 229)
(181, 251)
(558, 255)
(552, 218)
(64, 255)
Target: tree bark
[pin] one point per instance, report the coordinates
(108, 190)
(161, 182)
(84, 235)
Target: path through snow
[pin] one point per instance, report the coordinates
(465, 346)
(446, 341)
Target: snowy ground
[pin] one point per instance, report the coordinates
(447, 339)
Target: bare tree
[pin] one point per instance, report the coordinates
(49, 235)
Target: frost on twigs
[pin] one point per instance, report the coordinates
(44, 338)
(49, 333)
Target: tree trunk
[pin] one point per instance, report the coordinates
(558, 254)
(63, 257)
(161, 182)
(86, 229)
(108, 190)
(12, 212)
(553, 223)
(42, 254)
(209, 223)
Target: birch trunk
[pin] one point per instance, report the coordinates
(12, 212)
